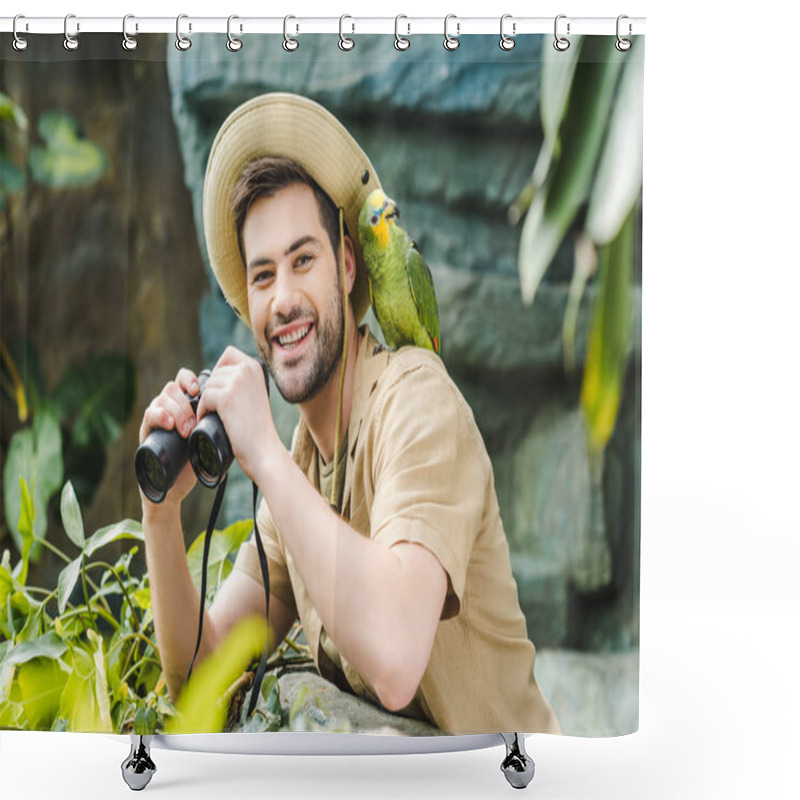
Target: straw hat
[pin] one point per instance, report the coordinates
(294, 127)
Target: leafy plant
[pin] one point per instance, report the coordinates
(590, 159)
(67, 664)
(82, 656)
(589, 171)
(66, 433)
(66, 160)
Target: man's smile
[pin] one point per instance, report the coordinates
(290, 337)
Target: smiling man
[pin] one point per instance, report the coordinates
(400, 571)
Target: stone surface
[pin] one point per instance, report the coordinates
(593, 694)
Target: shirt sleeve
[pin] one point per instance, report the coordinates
(431, 472)
(247, 559)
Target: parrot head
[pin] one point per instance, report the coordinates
(377, 218)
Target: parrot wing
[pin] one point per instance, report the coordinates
(420, 282)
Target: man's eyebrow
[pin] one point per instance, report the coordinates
(261, 261)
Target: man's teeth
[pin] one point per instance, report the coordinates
(294, 337)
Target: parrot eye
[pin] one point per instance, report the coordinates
(374, 219)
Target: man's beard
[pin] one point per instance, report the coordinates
(299, 384)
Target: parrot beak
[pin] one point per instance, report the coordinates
(392, 211)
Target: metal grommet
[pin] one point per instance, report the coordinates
(451, 42)
(561, 43)
(233, 44)
(70, 42)
(182, 42)
(345, 42)
(506, 42)
(289, 44)
(623, 45)
(400, 42)
(20, 42)
(128, 42)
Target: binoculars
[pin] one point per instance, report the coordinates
(163, 454)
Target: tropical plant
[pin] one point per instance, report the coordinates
(82, 656)
(589, 171)
(66, 160)
(65, 433)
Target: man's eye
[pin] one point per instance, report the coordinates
(261, 276)
(302, 259)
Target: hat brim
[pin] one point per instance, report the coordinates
(289, 126)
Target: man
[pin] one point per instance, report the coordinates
(404, 587)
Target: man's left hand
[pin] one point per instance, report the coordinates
(237, 392)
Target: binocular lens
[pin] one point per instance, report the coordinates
(210, 451)
(205, 460)
(152, 475)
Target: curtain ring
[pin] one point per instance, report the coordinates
(400, 42)
(623, 45)
(70, 42)
(451, 42)
(233, 44)
(182, 42)
(507, 42)
(561, 43)
(20, 42)
(289, 44)
(128, 42)
(345, 42)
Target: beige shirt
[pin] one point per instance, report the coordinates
(418, 471)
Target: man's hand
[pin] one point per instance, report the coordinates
(169, 411)
(236, 391)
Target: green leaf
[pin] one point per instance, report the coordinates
(66, 582)
(609, 338)
(199, 707)
(25, 526)
(38, 685)
(224, 543)
(71, 516)
(570, 173)
(48, 646)
(126, 529)
(78, 703)
(145, 721)
(99, 396)
(11, 112)
(67, 160)
(619, 174)
(100, 682)
(35, 455)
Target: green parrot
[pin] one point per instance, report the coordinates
(400, 283)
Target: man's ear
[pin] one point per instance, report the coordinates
(349, 263)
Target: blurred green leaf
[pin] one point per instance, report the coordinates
(48, 646)
(35, 455)
(224, 543)
(98, 397)
(609, 338)
(126, 529)
(569, 176)
(619, 174)
(25, 526)
(67, 160)
(66, 582)
(11, 112)
(199, 708)
(71, 516)
(38, 685)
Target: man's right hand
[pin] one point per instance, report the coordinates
(171, 410)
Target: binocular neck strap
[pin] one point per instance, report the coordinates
(212, 521)
(262, 559)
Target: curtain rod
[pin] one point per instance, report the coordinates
(294, 25)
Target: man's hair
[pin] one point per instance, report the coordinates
(265, 177)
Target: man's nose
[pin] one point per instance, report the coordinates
(285, 297)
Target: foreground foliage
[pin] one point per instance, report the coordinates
(82, 656)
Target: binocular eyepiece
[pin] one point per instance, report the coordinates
(163, 454)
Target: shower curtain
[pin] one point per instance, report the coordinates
(519, 176)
